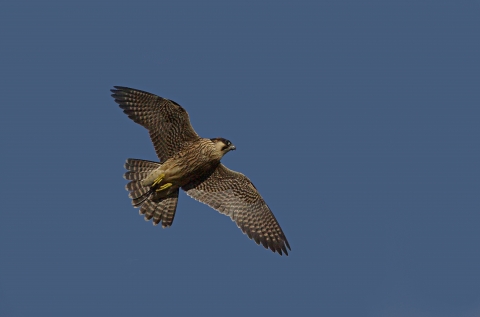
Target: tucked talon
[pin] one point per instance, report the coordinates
(158, 179)
(164, 186)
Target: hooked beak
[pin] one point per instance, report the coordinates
(232, 147)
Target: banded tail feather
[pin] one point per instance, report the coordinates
(161, 209)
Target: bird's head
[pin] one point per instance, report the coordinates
(223, 145)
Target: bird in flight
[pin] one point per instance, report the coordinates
(191, 163)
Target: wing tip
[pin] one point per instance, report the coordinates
(123, 90)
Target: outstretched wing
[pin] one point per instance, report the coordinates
(166, 121)
(234, 195)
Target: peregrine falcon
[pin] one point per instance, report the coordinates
(191, 163)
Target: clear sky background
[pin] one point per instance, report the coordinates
(358, 121)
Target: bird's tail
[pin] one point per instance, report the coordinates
(161, 209)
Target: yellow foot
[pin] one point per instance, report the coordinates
(158, 179)
(164, 186)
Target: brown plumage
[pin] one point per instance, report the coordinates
(192, 163)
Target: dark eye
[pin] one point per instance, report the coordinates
(228, 143)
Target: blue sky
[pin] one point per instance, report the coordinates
(357, 121)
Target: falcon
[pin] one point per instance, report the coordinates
(191, 163)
